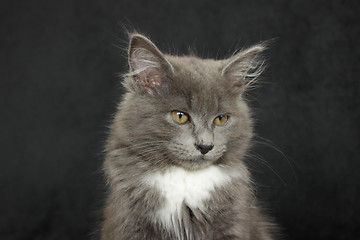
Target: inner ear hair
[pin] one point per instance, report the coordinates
(245, 67)
(148, 66)
(146, 50)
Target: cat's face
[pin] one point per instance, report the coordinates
(185, 111)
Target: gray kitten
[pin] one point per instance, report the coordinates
(175, 151)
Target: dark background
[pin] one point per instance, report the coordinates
(59, 88)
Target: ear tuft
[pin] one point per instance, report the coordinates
(244, 67)
(148, 67)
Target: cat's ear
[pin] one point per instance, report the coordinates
(244, 68)
(149, 68)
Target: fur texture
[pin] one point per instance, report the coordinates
(163, 184)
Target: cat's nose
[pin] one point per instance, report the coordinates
(204, 149)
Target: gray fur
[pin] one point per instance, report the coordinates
(142, 140)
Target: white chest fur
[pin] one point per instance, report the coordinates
(178, 185)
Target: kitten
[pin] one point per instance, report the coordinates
(175, 151)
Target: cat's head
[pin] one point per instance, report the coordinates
(186, 111)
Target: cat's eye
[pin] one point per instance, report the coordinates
(180, 117)
(221, 120)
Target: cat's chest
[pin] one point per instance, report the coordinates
(179, 186)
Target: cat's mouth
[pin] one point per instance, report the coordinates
(201, 158)
(200, 161)
(212, 156)
(193, 159)
(186, 156)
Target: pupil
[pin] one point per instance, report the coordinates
(180, 115)
(220, 118)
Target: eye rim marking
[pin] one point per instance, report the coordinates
(175, 116)
(219, 122)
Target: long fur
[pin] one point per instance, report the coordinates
(160, 185)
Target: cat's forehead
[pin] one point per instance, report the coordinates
(199, 85)
(197, 69)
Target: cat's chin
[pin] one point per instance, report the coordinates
(198, 162)
(206, 158)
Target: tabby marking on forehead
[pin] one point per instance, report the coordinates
(179, 186)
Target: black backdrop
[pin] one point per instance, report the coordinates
(58, 90)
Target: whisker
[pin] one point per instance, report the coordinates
(268, 143)
(265, 163)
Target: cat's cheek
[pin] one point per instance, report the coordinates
(220, 142)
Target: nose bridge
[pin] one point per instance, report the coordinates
(204, 136)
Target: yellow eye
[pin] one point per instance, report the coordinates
(221, 120)
(180, 117)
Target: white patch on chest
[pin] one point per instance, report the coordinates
(178, 185)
